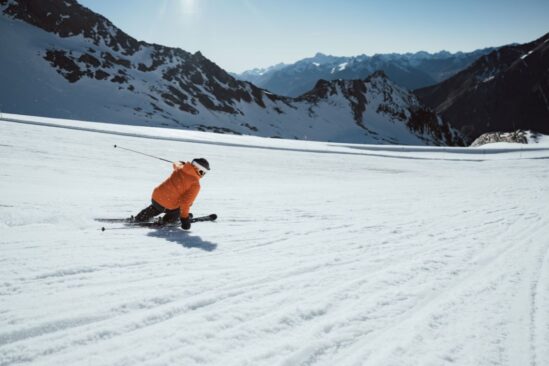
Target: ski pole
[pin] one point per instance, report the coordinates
(137, 152)
(103, 228)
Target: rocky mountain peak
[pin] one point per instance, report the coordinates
(378, 74)
(67, 18)
(519, 137)
(505, 90)
(378, 93)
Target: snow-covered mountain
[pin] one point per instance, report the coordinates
(410, 70)
(374, 101)
(66, 61)
(258, 76)
(505, 90)
(323, 254)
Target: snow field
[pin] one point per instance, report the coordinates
(318, 257)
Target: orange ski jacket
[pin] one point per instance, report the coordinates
(179, 190)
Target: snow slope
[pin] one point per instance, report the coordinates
(323, 254)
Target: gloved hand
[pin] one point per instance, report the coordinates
(186, 223)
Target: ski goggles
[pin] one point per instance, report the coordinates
(200, 169)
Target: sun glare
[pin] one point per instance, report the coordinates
(188, 6)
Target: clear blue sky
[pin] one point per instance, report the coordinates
(243, 34)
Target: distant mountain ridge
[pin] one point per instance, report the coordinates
(410, 70)
(505, 90)
(66, 61)
(376, 98)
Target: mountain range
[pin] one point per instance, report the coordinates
(62, 60)
(505, 90)
(409, 70)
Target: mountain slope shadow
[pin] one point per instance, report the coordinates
(183, 238)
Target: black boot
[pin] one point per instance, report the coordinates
(171, 216)
(147, 214)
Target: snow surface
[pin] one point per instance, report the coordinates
(323, 254)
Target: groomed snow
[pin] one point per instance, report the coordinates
(323, 254)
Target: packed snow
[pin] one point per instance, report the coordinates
(323, 254)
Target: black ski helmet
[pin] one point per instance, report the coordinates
(202, 162)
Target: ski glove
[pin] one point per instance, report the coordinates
(186, 223)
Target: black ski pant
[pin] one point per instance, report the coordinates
(156, 209)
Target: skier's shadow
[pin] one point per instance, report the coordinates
(176, 235)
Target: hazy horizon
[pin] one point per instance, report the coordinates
(244, 34)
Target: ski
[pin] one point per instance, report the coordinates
(159, 223)
(129, 222)
(118, 220)
(155, 224)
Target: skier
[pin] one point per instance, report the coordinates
(175, 195)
